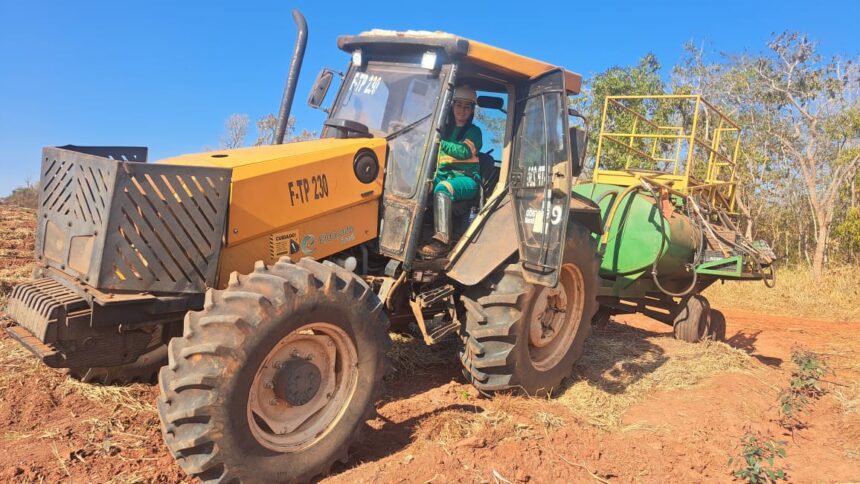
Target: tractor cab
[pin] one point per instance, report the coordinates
(399, 86)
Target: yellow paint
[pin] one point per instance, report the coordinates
(512, 63)
(305, 193)
(277, 187)
(711, 141)
(317, 238)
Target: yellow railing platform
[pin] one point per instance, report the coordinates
(679, 142)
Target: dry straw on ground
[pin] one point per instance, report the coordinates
(622, 365)
(409, 355)
(490, 421)
(835, 297)
(849, 398)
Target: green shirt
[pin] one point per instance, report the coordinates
(462, 155)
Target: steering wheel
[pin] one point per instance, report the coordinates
(346, 126)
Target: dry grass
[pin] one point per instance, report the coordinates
(131, 398)
(622, 365)
(836, 296)
(409, 355)
(17, 365)
(849, 398)
(17, 236)
(503, 417)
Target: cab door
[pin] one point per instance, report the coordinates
(540, 176)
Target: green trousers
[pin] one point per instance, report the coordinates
(456, 187)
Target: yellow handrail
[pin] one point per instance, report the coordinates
(675, 134)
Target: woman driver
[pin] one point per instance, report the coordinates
(457, 170)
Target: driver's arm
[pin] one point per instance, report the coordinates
(464, 150)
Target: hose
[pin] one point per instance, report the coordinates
(691, 266)
(610, 216)
(746, 249)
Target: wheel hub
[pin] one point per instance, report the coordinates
(555, 319)
(299, 389)
(549, 317)
(297, 382)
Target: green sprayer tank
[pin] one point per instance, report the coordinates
(664, 180)
(642, 237)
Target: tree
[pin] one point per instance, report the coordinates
(236, 129)
(817, 123)
(802, 122)
(642, 79)
(266, 127)
(847, 233)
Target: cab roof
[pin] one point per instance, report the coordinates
(459, 48)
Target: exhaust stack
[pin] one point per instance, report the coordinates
(292, 77)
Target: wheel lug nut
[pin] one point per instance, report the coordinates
(269, 385)
(294, 353)
(273, 401)
(278, 365)
(309, 357)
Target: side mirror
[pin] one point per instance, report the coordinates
(491, 102)
(320, 89)
(579, 148)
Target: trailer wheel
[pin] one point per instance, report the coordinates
(692, 324)
(527, 337)
(717, 329)
(273, 380)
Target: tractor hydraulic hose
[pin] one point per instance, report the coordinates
(292, 77)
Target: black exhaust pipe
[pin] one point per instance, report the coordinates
(292, 77)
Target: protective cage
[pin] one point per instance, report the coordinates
(121, 225)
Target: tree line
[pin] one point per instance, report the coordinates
(799, 164)
(236, 131)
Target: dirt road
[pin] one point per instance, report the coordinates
(640, 407)
(432, 427)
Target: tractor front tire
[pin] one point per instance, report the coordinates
(527, 338)
(274, 379)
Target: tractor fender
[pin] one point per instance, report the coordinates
(586, 213)
(487, 247)
(495, 240)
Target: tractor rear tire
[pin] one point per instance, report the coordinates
(527, 338)
(274, 379)
(693, 322)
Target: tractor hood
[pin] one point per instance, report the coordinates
(281, 185)
(254, 160)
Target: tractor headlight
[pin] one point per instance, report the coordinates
(428, 60)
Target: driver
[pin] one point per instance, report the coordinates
(458, 171)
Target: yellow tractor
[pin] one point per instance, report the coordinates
(266, 278)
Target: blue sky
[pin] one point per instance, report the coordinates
(167, 74)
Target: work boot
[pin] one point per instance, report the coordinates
(441, 226)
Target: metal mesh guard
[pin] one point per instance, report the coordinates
(122, 225)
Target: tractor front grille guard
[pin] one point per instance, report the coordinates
(120, 225)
